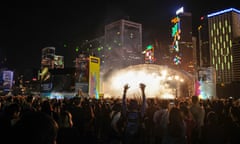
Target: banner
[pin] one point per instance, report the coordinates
(94, 77)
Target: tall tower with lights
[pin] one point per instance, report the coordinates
(219, 49)
(182, 48)
(50, 59)
(123, 44)
(224, 44)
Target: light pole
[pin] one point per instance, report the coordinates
(200, 45)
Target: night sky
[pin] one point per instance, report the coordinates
(27, 27)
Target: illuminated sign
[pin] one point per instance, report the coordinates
(179, 11)
(176, 33)
(175, 20)
(7, 78)
(94, 77)
(149, 54)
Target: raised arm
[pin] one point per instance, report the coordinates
(124, 100)
(143, 108)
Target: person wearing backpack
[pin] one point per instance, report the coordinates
(133, 117)
(116, 125)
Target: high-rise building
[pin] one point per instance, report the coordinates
(48, 54)
(183, 49)
(50, 60)
(123, 44)
(203, 57)
(224, 46)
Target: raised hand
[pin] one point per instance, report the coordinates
(126, 87)
(142, 86)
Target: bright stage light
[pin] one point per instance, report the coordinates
(156, 83)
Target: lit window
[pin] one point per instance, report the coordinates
(226, 22)
(131, 35)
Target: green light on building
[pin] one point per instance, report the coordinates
(149, 47)
(77, 49)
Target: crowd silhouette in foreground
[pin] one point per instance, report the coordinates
(127, 120)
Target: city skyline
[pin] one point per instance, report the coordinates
(64, 25)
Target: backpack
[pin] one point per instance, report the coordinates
(133, 123)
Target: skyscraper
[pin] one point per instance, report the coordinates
(48, 54)
(224, 47)
(50, 59)
(183, 47)
(123, 44)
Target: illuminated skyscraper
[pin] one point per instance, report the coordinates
(123, 44)
(48, 54)
(183, 49)
(50, 60)
(224, 44)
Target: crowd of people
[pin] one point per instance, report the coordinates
(37, 120)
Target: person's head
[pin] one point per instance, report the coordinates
(77, 101)
(164, 104)
(184, 110)
(133, 104)
(29, 99)
(46, 107)
(195, 99)
(36, 128)
(117, 107)
(175, 116)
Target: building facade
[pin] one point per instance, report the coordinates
(123, 44)
(182, 48)
(224, 33)
(50, 60)
(48, 54)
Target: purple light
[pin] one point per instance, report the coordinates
(223, 11)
